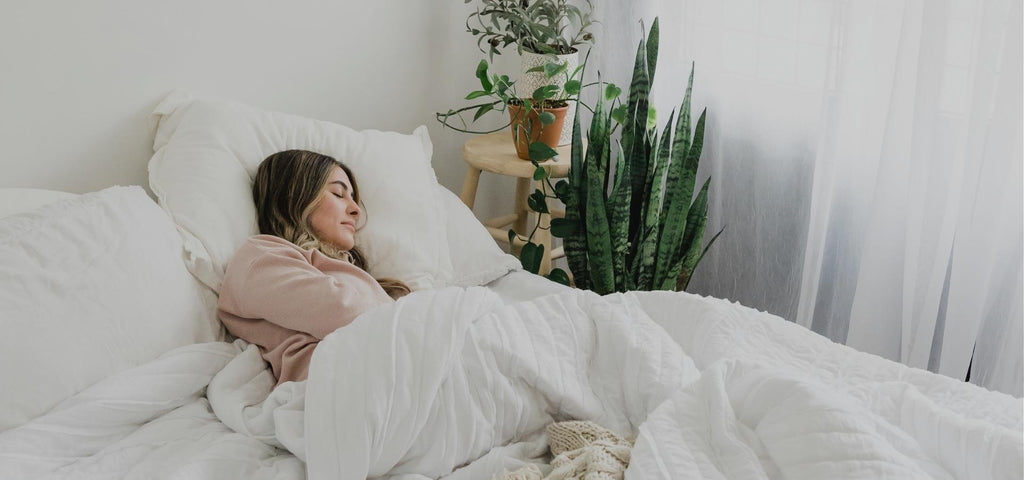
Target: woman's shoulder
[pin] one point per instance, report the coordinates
(263, 247)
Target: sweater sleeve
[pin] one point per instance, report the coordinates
(281, 286)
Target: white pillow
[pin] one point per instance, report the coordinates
(476, 258)
(207, 153)
(90, 286)
(17, 200)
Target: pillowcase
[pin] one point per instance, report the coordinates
(17, 200)
(90, 286)
(207, 153)
(476, 258)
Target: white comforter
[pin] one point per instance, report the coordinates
(441, 378)
(453, 383)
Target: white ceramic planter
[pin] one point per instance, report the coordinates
(529, 82)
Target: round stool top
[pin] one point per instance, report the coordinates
(495, 152)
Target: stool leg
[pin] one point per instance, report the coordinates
(521, 209)
(543, 237)
(469, 186)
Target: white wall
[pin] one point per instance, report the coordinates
(79, 79)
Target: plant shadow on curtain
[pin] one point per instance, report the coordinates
(866, 164)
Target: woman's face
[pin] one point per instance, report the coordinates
(334, 218)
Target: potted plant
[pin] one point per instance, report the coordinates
(543, 32)
(646, 232)
(535, 118)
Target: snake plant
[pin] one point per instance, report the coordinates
(637, 227)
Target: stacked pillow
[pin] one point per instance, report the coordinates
(89, 286)
(206, 155)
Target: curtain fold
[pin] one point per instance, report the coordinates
(866, 165)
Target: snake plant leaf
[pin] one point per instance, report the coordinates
(558, 275)
(635, 141)
(648, 245)
(618, 218)
(481, 73)
(689, 250)
(599, 245)
(652, 117)
(540, 152)
(652, 49)
(531, 256)
(575, 210)
(686, 282)
(683, 133)
(678, 194)
(563, 227)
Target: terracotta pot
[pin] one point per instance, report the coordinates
(523, 135)
(530, 81)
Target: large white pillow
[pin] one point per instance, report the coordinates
(476, 258)
(90, 286)
(207, 152)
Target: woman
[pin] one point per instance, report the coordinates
(302, 277)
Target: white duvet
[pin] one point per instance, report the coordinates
(453, 383)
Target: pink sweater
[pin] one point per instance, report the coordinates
(286, 299)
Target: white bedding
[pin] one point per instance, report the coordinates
(425, 388)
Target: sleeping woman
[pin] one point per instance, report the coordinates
(302, 277)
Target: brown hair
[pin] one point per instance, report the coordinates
(286, 190)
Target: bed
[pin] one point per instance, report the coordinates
(122, 370)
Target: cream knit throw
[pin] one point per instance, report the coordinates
(583, 451)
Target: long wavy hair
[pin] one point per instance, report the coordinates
(288, 187)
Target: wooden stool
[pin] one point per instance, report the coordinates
(495, 153)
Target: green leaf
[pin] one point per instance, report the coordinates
(619, 114)
(552, 68)
(540, 173)
(572, 87)
(476, 94)
(558, 275)
(537, 69)
(563, 227)
(540, 152)
(511, 235)
(530, 257)
(547, 118)
(562, 190)
(536, 202)
(481, 73)
(652, 117)
(611, 92)
(482, 110)
(545, 92)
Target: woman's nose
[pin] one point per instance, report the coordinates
(353, 209)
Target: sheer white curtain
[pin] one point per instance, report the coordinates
(866, 164)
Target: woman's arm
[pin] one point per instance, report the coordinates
(282, 286)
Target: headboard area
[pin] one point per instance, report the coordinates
(81, 80)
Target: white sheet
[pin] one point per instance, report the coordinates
(149, 422)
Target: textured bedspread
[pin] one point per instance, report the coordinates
(437, 381)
